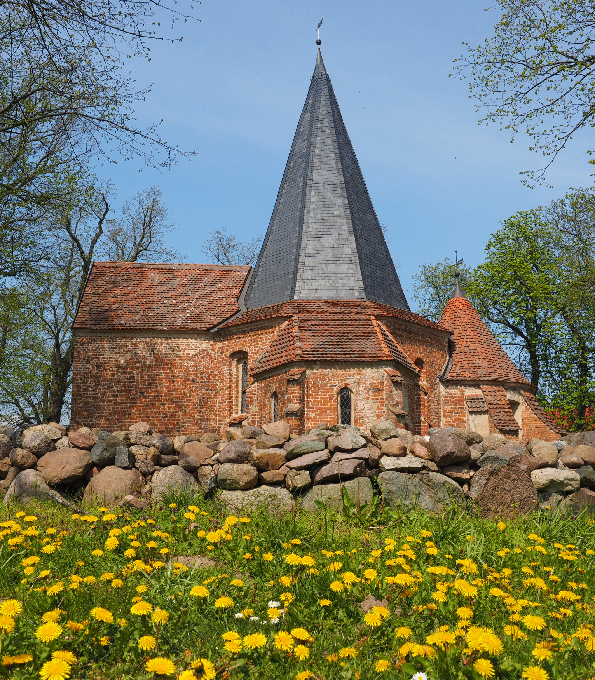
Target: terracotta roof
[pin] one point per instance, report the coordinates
(499, 408)
(478, 355)
(535, 406)
(476, 402)
(140, 296)
(335, 332)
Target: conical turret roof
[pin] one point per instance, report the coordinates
(324, 241)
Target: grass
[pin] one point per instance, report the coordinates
(280, 595)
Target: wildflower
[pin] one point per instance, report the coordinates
(483, 640)
(17, 659)
(304, 675)
(419, 676)
(147, 642)
(101, 614)
(514, 632)
(373, 618)
(205, 667)
(48, 632)
(347, 652)
(337, 586)
(11, 608)
(441, 638)
(187, 675)
(55, 669)
(254, 641)
(236, 582)
(199, 591)
(370, 574)
(160, 666)
(223, 602)
(403, 633)
(141, 608)
(160, 616)
(284, 641)
(233, 646)
(273, 603)
(302, 635)
(65, 655)
(112, 543)
(534, 673)
(324, 602)
(501, 526)
(267, 557)
(55, 589)
(534, 622)
(381, 665)
(301, 652)
(465, 588)
(97, 553)
(349, 577)
(542, 653)
(484, 668)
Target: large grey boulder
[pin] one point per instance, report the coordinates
(552, 479)
(163, 444)
(272, 497)
(546, 451)
(278, 429)
(37, 442)
(5, 445)
(23, 459)
(446, 449)
(172, 478)
(104, 452)
(111, 484)
(30, 484)
(124, 457)
(304, 447)
(207, 478)
(232, 476)
(404, 464)
(330, 495)
(82, 438)
(587, 476)
(312, 436)
(64, 466)
(251, 432)
(236, 451)
(428, 490)
(504, 491)
(297, 480)
(384, 430)
(335, 472)
(347, 440)
(309, 460)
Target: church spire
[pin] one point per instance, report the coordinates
(324, 241)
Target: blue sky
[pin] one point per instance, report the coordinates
(233, 90)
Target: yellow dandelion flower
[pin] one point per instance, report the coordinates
(205, 667)
(347, 652)
(542, 653)
(301, 652)
(465, 588)
(534, 673)
(11, 608)
(485, 668)
(233, 646)
(349, 577)
(370, 574)
(55, 669)
(254, 641)
(304, 675)
(48, 632)
(514, 632)
(302, 635)
(223, 602)
(199, 591)
(101, 614)
(6, 623)
(533, 622)
(267, 557)
(403, 633)
(160, 666)
(160, 616)
(337, 586)
(64, 655)
(381, 665)
(324, 602)
(141, 608)
(372, 618)
(147, 642)
(284, 641)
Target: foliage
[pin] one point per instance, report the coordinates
(225, 248)
(433, 286)
(192, 592)
(536, 74)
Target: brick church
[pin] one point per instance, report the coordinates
(319, 331)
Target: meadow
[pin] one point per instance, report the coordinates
(189, 591)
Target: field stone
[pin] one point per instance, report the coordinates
(104, 451)
(111, 484)
(587, 476)
(431, 491)
(272, 497)
(207, 478)
(268, 459)
(37, 442)
(550, 479)
(54, 431)
(461, 472)
(11, 475)
(546, 451)
(476, 452)
(587, 453)
(404, 464)
(153, 455)
(141, 427)
(584, 499)
(359, 490)
(5, 465)
(508, 491)
(163, 444)
(533, 462)
(304, 447)
(124, 457)
(82, 438)
(268, 441)
(308, 460)
(23, 459)
(232, 476)
(167, 460)
(362, 454)
(549, 499)
(138, 438)
(586, 438)
(446, 449)
(171, 478)
(272, 477)
(194, 453)
(393, 447)
(335, 472)
(384, 430)
(209, 438)
(30, 484)
(64, 466)
(468, 436)
(297, 480)
(5, 445)
(280, 429)
(63, 443)
(252, 432)
(312, 436)
(347, 440)
(144, 466)
(233, 434)
(420, 451)
(236, 451)
(492, 459)
(571, 460)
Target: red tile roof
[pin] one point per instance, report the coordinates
(535, 406)
(478, 355)
(499, 408)
(162, 297)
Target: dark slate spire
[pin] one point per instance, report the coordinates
(458, 290)
(324, 241)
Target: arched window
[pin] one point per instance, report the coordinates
(243, 384)
(275, 406)
(345, 406)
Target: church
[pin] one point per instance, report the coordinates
(319, 331)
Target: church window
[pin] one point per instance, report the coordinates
(275, 406)
(345, 406)
(239, 373)
(243, 385)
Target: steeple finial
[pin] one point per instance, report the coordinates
(458, 291)
(318, 40)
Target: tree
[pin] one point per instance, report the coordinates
(536, 74)
(433, 286)
(225, 248)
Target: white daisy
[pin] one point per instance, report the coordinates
(273, 621)
(273, 604)
(239, 615)
(419, 676)
(254, 618)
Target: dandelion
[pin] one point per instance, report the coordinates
(304, 675)
(534, 673)
(233, 646)
(160, 666)
(403, 633)
(223, 602)
(101, 614)
(147, 642)
(254, 641)
(534, 622)
(301, 652)
(337, 586)
(141, 608)
(199, 591)
(284, 641)
(11, 608)
(324, 602)
(347, 652)
(465, 588)
(6, 623)
(302, 635)
(381, 665)
(485, 668)
(65, 655)
(205, 667)
(160, 616)
(48, 632)
(542, 653)
(55, 669)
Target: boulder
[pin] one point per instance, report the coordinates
(268, 459)
(64, 466)
(312, 436)
(571, 460)
(104, 452)
(546, 451)
(384, 430)
(533, 462)
(82, 438)
(268, 441)
(505, 491)
(551, 479)
(335, 472)
(468, 436)
(153, 455)
(53, 431)
(304, 447)
(141, 428)
(144, 466)
(419, 450)
(23, 459)
(111, 484)
(272, 477)
(587, 453)
(179, 442)
(5, 465)
(237, 476)
(209, 438)
(549, 500)
(278, 429)
(236, 451)
(492, 459)
(5, 445)
(163, 444)
(207, 478)
(233, 434)
(587, 438)
(308, 460)
(446, 449)
(461, 472)
(297, 480)
(393, 447)
(584, 499)
(428, 490)
(271, 497)
(193, 455)
(587, 477)
(137, 438)
(13, 471)
(124, 457)
(30, 484)
(362, 454)
(172, 478)
(374, 456)
(124, 436)
(251, 432)
(331, 495)
(166, 461)
(10, 432)
(139, 451)
(37, 442)
(511, 450)
(476, 452)
(63, 443)
(403, 464)
(348, 440)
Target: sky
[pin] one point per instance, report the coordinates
(234, 88)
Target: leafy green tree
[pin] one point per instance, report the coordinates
(536, 74)
(433, 286)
